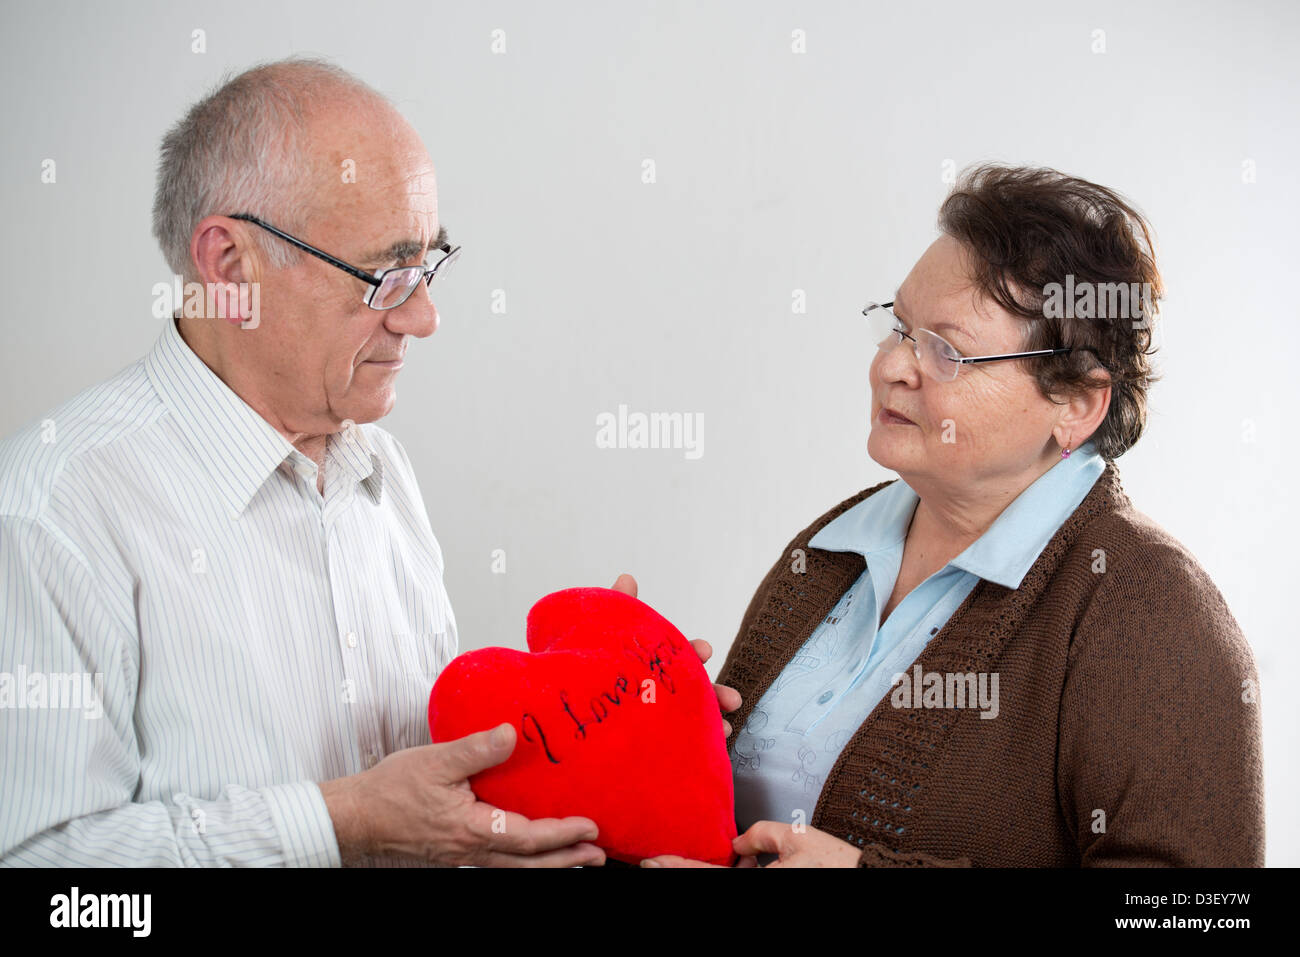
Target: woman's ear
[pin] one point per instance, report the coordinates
(1085, 411)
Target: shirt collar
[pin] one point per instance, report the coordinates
(877, 523)
(353, 451)
(1010, 546)
(236, 446)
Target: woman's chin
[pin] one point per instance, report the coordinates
(893, 451)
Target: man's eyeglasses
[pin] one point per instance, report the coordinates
(389, 288)
(939, 359)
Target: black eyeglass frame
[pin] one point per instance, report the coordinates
(964, 360)
(376, 279)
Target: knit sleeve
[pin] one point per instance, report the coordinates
(1159, 751)
(877, 855)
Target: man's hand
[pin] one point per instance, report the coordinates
(728, 697)
(807, 847)
(417, 802)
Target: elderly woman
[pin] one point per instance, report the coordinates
(997, 660)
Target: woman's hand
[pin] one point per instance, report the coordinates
(807, 847)
(728, 697)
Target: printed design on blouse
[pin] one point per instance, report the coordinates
(820, 648)
(745, 752)
(809, 758)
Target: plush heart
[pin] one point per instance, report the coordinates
(615, 719)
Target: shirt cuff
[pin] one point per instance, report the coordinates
(303, 822)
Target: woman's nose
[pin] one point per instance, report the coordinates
(899, 363)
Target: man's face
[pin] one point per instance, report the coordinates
(321, 354)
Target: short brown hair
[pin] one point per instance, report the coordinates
(1030, 228)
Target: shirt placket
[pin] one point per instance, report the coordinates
(356, 691)
(851, 614)
(359, 637)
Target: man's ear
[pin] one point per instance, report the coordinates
(228, 267)
(222, 251)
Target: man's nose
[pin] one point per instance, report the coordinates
(418, 316)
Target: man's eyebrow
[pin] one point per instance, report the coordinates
(405, 249)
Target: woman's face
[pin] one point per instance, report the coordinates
(990, 424)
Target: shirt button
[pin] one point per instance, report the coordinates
(352, 639)
(826, 697)
(372, 759)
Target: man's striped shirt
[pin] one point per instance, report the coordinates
(191, 636)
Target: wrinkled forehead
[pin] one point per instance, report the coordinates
(941, 283)
(940, 293)
(372, 177)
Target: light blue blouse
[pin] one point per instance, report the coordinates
(796, 731)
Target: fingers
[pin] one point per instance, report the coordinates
(728, 701)
(459, 759)
(626, 584)
(577, 855)
(514, 835)
(671, 860)
(748, 860)
(765, 837)
(728, 697)
(703, 649)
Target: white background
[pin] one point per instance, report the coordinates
(776, 171)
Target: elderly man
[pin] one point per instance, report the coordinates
(235, 559)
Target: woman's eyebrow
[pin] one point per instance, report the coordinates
(937, 326)
(954, 327)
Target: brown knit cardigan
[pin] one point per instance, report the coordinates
(1128, 730)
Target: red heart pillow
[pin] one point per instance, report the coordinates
(615, 719)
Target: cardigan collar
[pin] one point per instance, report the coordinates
(1007, 549)
(895, 743)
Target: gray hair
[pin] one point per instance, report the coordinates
(240, 150)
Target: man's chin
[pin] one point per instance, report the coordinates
(374, 407)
